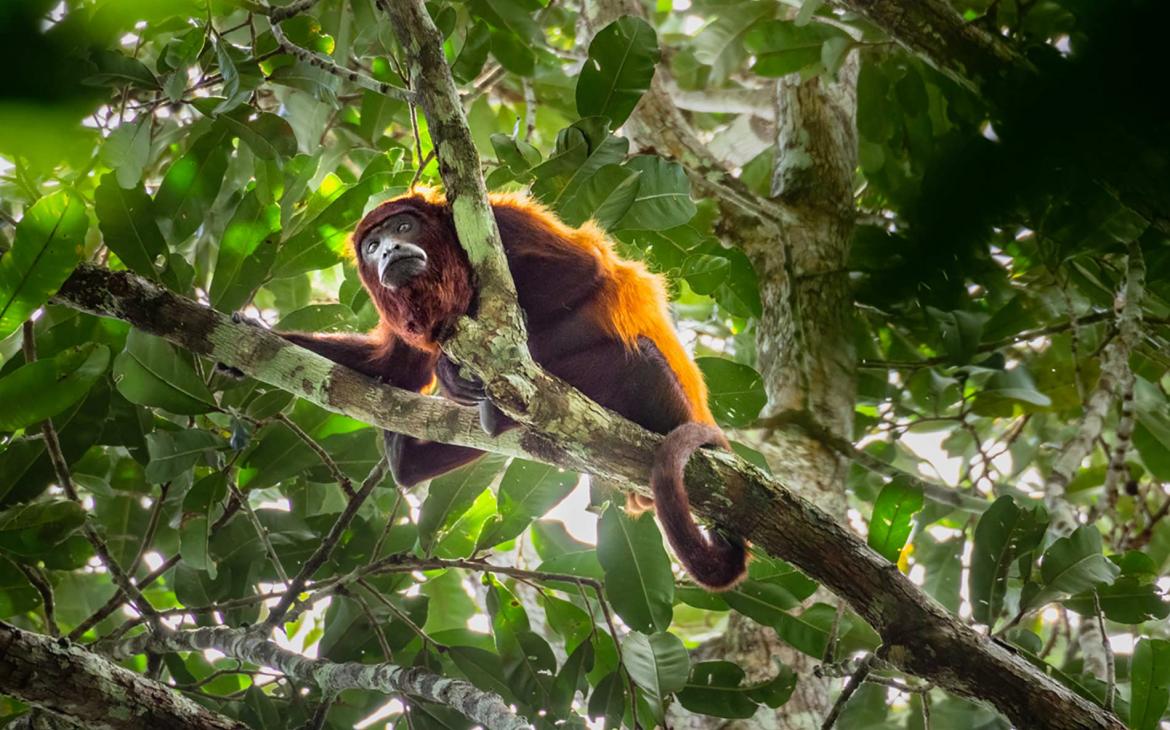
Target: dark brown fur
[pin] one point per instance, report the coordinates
(594, 320)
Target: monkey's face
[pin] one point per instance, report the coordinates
(391, 250)
(413, 267)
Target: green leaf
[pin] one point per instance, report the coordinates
(783, 47)
(483, 668)
(618, 70)
(705, 273)
(173, 453)
(638, 579)
(270, 137)
(450, 495)
(150, 372)
(246, 253)
(1010, 385)
(892, 513)
(44, 388)
(513, 53)
(192, 183)
(527, 491)
(581, 150)
(658, 663)
(721, 44)
(319, 318)
(716, 688)
(194, 539)
(127, 222)
(473, 54)
(1004, 532)
(608, 700)
(1150, 677)
(35, 528)
(664, 195)
(605, 198)
(1071, 565)
(321, 242)
(735, 392)
(1129, 600)
(49, 243)
(127, 151)
(763, 602)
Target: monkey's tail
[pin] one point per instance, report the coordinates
(712, 560)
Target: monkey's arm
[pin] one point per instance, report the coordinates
(390, 360)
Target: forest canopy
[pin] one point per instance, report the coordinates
(919, 250)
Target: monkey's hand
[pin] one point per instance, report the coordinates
(466, 391)
(470, 392)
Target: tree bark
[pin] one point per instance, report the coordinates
(63, 678)
(919, 635)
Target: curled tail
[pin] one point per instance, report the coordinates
(713, 561)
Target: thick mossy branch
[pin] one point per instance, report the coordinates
(494, 344)
(66, 679)
(918, 634)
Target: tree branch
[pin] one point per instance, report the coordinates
(485, 708)
(65, 679)
(922, 638)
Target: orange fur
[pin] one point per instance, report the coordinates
(633, 301)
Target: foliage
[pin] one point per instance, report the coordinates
(178, 140)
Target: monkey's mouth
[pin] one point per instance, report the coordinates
(399, 267)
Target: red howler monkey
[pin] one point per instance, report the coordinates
(594, 320)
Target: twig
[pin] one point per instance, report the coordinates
(65, 481)
(151, 528)
(1082, 321)
(261, 532)
(399, 613)
(1110, 675)
(320, 715)
(338, 475)
(375, 625)
(847, 691)
(45, 588)
(119, 598)
(354, 77)
(325, 549)
(284, 12)
(938, 493)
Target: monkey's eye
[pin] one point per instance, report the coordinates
(403, 227)
(371, 245)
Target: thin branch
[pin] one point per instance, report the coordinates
(485, 708)
(338, 475)
(42, 585)
(937, 493)
(1072, 324)
(847, 691)
(354, 77)
(65, 481)
(1110, 673)
(259, 528)
(119, 598)
(325, 549)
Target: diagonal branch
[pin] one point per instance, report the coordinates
(485, 708)
(919, 635)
